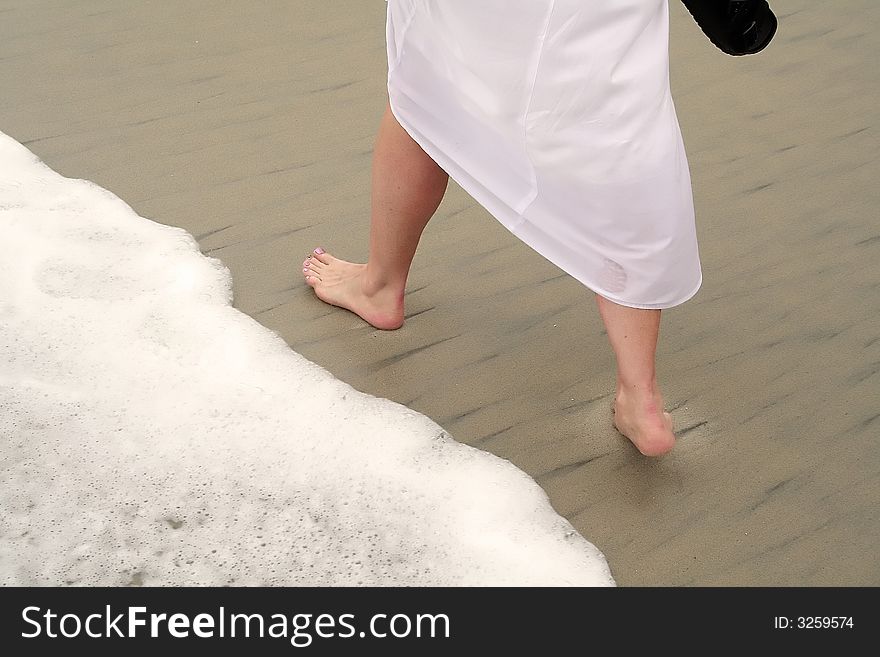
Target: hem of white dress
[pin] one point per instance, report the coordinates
(650, 306)
(509, 218)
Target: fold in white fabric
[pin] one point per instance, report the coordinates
(557, 117)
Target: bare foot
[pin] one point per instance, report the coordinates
(345, 284)
(644, 422)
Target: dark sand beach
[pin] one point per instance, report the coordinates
(252, 125)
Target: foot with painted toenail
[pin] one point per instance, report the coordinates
(353, 286)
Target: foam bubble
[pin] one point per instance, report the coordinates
(154, 435)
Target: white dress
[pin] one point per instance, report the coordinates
(556, 116)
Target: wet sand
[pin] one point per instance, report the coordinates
(252, 128)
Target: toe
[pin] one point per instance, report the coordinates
(321, 256)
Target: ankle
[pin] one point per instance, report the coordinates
(374, 283)
(645, 392)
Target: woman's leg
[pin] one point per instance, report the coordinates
(407, 188)
(638, 404)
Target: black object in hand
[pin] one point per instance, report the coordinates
(736, 27)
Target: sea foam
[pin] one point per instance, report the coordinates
(152, 434)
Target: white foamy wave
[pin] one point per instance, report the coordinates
(152, 434)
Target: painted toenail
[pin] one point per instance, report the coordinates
(305, 271)
(319, 251)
